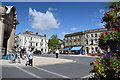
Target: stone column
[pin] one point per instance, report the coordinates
(11, 40)
(1, 35)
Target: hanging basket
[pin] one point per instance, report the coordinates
(114, 46)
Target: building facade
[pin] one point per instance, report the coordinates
(87, 39)
(29, 40)
(74, 39)
(8, 22)
(91, 38)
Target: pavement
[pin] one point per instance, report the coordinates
(38, 61)
(83, 55)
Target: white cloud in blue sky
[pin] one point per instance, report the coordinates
(102, 11)
(52, 9)
(42, 21)
(73, 29)
(64, 33)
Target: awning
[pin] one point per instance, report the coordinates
(76, 48)
(65, 48)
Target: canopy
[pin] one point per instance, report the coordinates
(76, 48)
(65, 48)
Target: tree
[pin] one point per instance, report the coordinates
(53, 42)
(107, 67)
(112, 17)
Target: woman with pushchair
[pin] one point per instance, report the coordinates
(29, 58)
(13, 56)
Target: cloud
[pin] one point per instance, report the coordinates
(73, 29)
(42, 21)
(99, 24)
(63, 33)
(102, 11)
(52, 9)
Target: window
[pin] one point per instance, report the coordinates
(41, 44)
(91, 35)
(96, 41)
(30, 44)
(87, 49)
(91, 42)
(86, 41)
(96, 49)
(86, 35)
(25, 38)
(95, 35)
(92, 50)
(36, 44)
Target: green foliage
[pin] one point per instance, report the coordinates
(111, 17)
(53, 42)
(112, 5)
(107, 67)
(106, 36)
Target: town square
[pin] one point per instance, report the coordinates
(60, 40)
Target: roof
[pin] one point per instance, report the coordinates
(86, 31)
(31, 34)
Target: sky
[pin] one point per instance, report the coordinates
(58, 18)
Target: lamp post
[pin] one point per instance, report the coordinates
(119, 22)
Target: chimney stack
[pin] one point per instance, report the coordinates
(36, 33)
(45, 35)
(26, 30)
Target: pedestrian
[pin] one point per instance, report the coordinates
(29, 58)
(54, 51)
(23, 51)
(57, 53)
(16, 57)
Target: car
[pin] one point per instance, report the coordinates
(95, 54)
(37, 52)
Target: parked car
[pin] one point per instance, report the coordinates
(37, 52)
(95, 54)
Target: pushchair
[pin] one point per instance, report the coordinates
(13, 58)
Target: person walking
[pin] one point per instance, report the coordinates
(23, 50)
(29, 58)
(57, 53)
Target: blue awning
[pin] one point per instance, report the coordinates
(76, 48)
(65, 48)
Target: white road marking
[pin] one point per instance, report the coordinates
(52, 72)
(87, 76)
(36, 76)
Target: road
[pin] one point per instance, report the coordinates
(79, 68)
(79, 59)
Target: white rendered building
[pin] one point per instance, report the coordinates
(29, 40)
